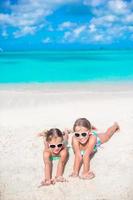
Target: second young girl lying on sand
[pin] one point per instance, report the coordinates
(85, 142)
(55, 147)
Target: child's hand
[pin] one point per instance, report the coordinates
(65, 134)
(60, 179)
(42, 134)
(88, 176)
(73, 175)
(67, 131)
(47, 182)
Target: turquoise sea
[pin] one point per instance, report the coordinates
(66, 66)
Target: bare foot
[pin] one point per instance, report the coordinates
(46, 183)
(116, 126)
(94, 128)
(73, 175)
(88, 176)
(60, 179)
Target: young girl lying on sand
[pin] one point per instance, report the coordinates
(85, 143)
(55, 148)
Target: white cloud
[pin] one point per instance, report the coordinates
(66, 25)
(118, 6)
(4, 33)
(110, 19)
(110, 22)
(129, 18)
(67, 35)
(5, 19)
(104, 20)
(87, 35)
(98, 38)
(94, 2)
(47, 40)
(92, 28)
(74, 34)
(78, 31)
(30, 13)
(24, 31)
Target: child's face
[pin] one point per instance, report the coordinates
(82, 134)
(56, 145)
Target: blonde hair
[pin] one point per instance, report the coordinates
(82, 122)
(52, 133)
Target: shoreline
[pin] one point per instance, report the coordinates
(101, 86)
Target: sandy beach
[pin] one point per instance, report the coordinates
(26, 110)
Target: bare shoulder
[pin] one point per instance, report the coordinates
(46, 152)
(92, 138)
(64, 151)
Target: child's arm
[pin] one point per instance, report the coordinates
(77, 158)
(91, 144)
(61, 165)
(47, 180)
(86, 156)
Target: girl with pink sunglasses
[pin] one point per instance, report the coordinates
(55, 148)
(85, 142)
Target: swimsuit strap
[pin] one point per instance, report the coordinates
(94, 133)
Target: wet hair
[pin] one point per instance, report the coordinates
(53, 133)
(82, 122)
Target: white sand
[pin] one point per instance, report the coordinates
(26, 110)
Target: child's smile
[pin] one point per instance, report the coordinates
(82, 134)
(56, 145)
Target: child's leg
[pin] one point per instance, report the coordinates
(104, 137)
(61, 165)
(48, 168)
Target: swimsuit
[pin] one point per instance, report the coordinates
(98, 143)
(54, 158)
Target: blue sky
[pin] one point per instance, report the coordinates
(65, 24)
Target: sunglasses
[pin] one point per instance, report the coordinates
(80, 134)
(52, 146)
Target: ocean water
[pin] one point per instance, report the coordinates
(66, 66)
